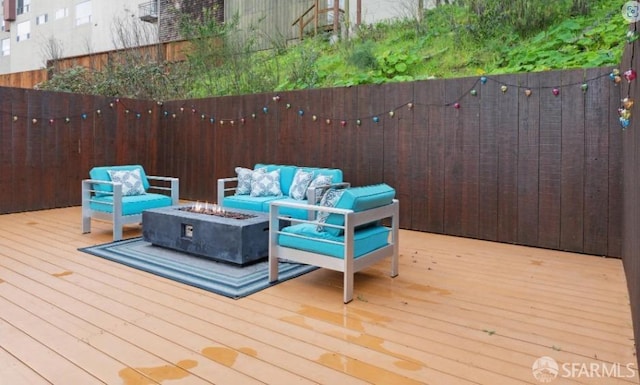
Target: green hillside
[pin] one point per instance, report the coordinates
(472, 38)
(445, 44)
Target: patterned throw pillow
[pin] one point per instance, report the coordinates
(320, 180)
(130, 179)
(300, 184)
(244, 179)
(329, 199)
(264, 184)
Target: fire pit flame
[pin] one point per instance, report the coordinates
(214, 209)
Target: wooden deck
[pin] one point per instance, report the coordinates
(460, 312)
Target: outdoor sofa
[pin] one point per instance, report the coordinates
(255, 189)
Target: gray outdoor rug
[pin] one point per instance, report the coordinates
(217, 277)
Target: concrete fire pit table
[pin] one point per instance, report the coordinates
(237, 236)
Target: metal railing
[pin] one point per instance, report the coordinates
(148, 11)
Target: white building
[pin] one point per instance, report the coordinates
(35, 31)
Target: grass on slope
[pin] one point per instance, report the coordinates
(444, 45)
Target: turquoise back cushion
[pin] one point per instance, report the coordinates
(287, 172)
(360, 199)
(101, 173)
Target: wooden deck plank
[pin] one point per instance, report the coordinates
(461, 311)
(537, 330)
(14, 371)
(78, 351)
(440, 335)
(116, 327)
(45, 362)
(143, 302)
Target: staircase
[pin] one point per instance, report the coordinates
(312, 15)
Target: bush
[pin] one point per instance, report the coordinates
(524, 17)
(363, 56)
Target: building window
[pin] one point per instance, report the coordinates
(24, 31)
(23, 6)
(6, 47)
(42, 19)
(62, 13)
(83, 13)
(3, 25)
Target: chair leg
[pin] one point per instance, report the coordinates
(394, 266)
(273, 268)
(117, 228)
(117, 232)
(86, 210)
(86, 225)
(348, 287)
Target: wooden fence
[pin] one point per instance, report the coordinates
(171, 51)
(631, 196)
(541, 170)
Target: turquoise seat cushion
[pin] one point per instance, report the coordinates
(133, 204)
(102, 173)
(366, 240)
(360, 199)
(247, 202)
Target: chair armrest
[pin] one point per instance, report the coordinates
(174, 187)
(87, 191)
(97, 181)
(357, 218)
(164, 178)
(314, 197)
(87, 186)
(223, 188)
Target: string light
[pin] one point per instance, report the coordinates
(615, 75)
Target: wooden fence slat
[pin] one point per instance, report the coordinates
(453, 167)
(435, 167)
(488, 161)
(470, 160)
(550, 171)
(573, 153)
(37, 134)
(7, 152)
(506, 107)
(406, 153)
(390, 151)
(528, 159)
(596, 170)
(371, 100)
(617, 169)
(418, 177)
